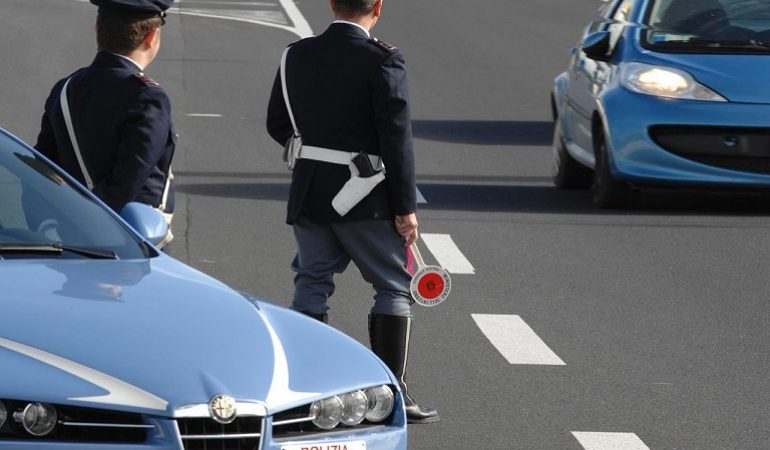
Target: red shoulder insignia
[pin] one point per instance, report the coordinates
(146, 80)
(389, 49)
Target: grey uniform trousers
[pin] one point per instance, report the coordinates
(375, 247)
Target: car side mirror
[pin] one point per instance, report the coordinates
(146, 220)
(597, 46)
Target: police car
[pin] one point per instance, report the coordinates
(107, 343)
(666, 93)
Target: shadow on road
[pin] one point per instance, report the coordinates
(522, 194)
(484, 132)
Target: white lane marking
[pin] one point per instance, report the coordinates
(298, 24)
(609, 441)
(118, 392)
(203, 115)
(420, 198)
(302, 28)
(219, 3)
(515, 340)
(447, 254)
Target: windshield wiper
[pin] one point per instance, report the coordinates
(733, 43)
(748, 44)
(57, 249)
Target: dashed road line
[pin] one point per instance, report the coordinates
(202, 115)
(515, 340)
(447, 254)
(609, 441)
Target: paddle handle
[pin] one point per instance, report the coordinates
(417, 255)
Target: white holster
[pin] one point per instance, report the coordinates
(355, 190)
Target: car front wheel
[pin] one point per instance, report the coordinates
(608, 192)
(567, 172)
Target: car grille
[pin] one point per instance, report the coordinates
(736, 148)
(244, 433)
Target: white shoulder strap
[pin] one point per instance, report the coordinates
(286, 91)
(65, 109)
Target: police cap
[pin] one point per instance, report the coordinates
(137, 7)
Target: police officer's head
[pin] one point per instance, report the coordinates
(354, 8)
(123, 26)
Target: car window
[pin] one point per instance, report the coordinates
(38, 206)
(723, 26)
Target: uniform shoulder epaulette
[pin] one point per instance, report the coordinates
(146, 80)
(389, 49)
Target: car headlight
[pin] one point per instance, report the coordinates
(326, 413)
(381, 401)
(38, 419)
(3, 414)
(665, 82)
(351, 408)
(354, 407)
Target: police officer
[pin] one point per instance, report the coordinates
(347, 94)
(109, 125)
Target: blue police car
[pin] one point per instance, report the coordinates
(107, 343)
(666, 93)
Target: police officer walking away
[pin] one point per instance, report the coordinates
(108, 124)
(346, 95)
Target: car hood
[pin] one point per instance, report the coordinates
(739, 78)
(153, 336)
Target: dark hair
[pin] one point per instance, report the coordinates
(353, 7)
(116, 33)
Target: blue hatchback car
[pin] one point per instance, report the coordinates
(108, 344)
(666, 93)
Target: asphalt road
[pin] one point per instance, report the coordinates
(657, 314)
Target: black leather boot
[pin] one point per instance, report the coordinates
(389, 338)
(321, 317)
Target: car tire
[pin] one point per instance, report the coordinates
(567, 172)
(608, 192)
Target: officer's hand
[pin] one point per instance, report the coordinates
(407, 228)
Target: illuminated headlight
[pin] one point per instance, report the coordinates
(38, 419)
(380, 403)
(665, 82)
(326, 413)
(3, 414)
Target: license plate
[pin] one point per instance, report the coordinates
(353, 445)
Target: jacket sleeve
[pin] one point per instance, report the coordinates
(390, 96)
(278, 121)
(46, 139)
(145, 133)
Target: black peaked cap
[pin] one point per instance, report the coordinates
(134, 6)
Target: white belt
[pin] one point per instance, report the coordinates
(334, 156)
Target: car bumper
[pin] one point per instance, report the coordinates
(166, 437)
(682, 142)
(388, 438)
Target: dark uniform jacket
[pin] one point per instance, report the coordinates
(348, 92)
(122, 121)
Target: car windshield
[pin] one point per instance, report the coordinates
(42, 215)
(706, 26)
